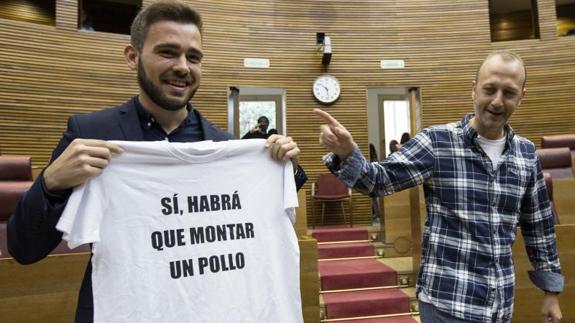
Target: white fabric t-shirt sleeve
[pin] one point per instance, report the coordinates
(80, 221)
(290, 192)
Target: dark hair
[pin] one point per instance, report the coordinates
(404, 138)
(262, 118)
(163, 10)
(507, 57)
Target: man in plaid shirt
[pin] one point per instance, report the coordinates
(480, 180)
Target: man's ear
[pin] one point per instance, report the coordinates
(522, 96)
(473, 84)
(131, 56)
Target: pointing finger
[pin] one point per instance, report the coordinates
(326, 117)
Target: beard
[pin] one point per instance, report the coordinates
(157, 96)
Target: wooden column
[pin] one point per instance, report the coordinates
(547, 13)
(67, 14)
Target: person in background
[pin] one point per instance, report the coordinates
(375, 218)
(85, 21)
(393, 146)
(404, 138)
(480, 180)
(260, 130)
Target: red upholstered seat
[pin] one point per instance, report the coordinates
(15, 179)
(15, 168)
(556, 141)
(328, 188)
(10, 193)
(556, 161)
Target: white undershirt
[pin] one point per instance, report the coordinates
(493, 148)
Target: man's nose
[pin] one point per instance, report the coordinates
(498, 100)
(181, 65)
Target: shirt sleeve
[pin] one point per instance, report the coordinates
(408, 167)
(290, 193)
(80, 221)
(537, 228)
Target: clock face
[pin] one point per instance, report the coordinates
(326, 89)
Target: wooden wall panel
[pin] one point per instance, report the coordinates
(67, 14)
(51, 72)
(547, 19)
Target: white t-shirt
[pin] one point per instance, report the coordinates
(190, 232)
(493, 148)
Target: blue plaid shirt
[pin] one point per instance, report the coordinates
(472, 214)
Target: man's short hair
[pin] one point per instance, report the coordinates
(163, 10)
(260, 119)
(507, 57)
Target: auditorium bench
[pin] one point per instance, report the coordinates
(549, 184)
(556, 141)
(563, 201)
(15, 179)
(45, 291)
(556, 161)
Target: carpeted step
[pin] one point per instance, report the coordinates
(344, 250)
(365, 303)
(339, 234)
(357, 273)
(395, 319)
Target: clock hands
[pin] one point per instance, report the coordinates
(326, 89)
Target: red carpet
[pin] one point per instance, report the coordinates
(343, 250)
(397, 319)
(340, 234)
(357, 273)
(366, 303)
(346, 274)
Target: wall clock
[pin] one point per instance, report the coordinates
(326, 89)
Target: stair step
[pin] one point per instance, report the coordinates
(344, 250)
(339, 234)
(348, 274)
(393, 319)
(366, 303)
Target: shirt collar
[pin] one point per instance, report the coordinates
(146, 119)
(471, 134)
